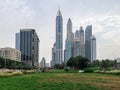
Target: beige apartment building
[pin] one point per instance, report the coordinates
(10, 53)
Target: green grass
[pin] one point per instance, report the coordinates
(54, 80)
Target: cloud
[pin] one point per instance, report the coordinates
(14, 15)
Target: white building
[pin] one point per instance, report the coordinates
(10, 53)
(93, 48)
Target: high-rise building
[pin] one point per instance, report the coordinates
(29, 47)
(69, 42)
(77, 34)
(70, 35)
(10, 53)
(17, 41)
(43, 63)
(53, 56)
(76, 44)
(59, 38)
(93, 48)
(88, 34)
(82, 44)
(76, 47)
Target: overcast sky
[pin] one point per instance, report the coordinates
(104, 15)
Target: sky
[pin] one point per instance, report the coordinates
(103, 15)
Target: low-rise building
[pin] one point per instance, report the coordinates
(10, 53)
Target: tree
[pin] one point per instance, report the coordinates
(96, 63)
(107, 64)
(78, 62)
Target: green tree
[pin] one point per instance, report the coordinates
(78, 62)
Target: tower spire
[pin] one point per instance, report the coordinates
(59, 12)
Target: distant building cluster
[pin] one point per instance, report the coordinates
(76, 44)
(80, 43)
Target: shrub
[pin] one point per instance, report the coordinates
(90, 70)
(66, 69)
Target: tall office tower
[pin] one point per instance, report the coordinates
(17, 41)
(29, 47)
(88, 34)
(59, 38)
(76, 44)
(53, 56)
(77, 34)
(82, 44)
(76, 47)
(93, 48)
(68, 42)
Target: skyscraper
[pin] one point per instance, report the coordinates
(17, 41)
(29, 47)
(88, 34)
(53, 56)
(82, 44)
(69, 42)
(93, 48)
(76, 47)
(76, 44)
(59, 38)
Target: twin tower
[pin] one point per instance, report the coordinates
(75, 44)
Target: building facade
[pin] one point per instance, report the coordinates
(10, 53)
(69, 42)
(88, 34)
(53, 56)
(43, 63)
(17, 41)
(82, 42)
(59, 38)
(29, 47)
(93, 48)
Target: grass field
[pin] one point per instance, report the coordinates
(61, 81)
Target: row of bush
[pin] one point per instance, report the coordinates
(12, 64)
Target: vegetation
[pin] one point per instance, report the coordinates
(92, 69)
(59, 66)
(12, 64)
(78, 62)
(61, 80)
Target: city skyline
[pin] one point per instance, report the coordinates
(104, 17)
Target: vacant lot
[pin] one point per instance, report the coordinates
(61, 81)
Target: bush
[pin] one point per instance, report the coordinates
(90, 70)
(66, 69)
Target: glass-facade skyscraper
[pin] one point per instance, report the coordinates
(82, 44)
(59, 38)
(29, 47)
(88, 34)
(69, 42)
(93, 48)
